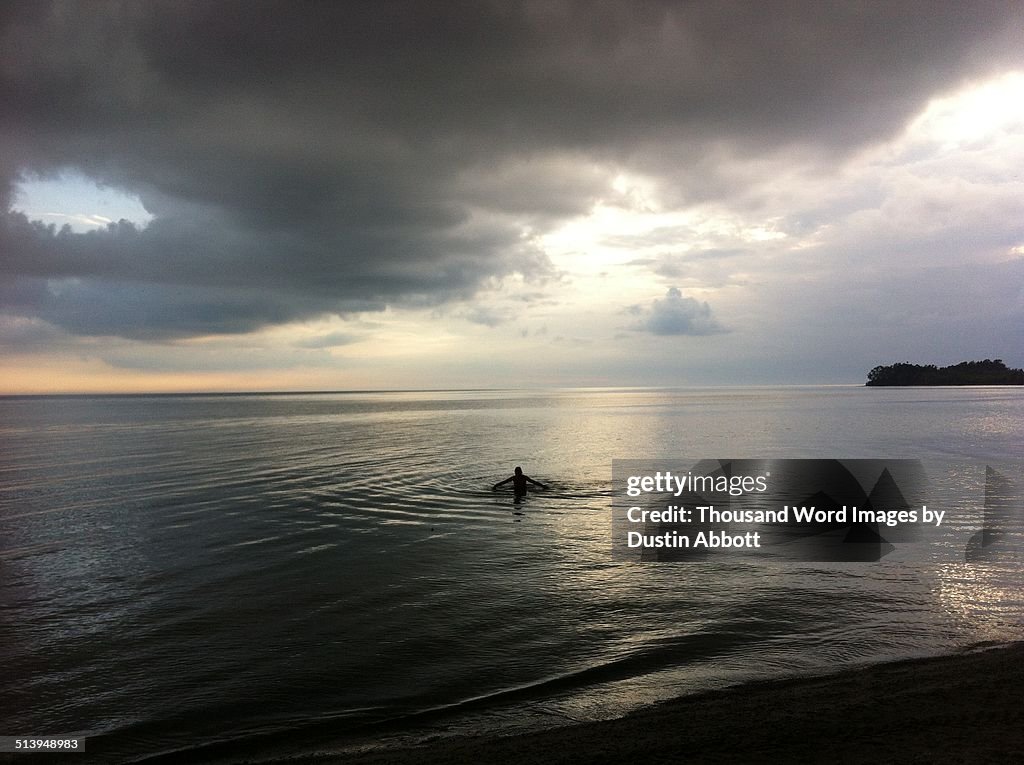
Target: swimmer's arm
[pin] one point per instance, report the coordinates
(502, 483)
(536, 483)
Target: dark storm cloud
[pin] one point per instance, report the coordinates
(337, 157)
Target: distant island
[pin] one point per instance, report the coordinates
(987, 372)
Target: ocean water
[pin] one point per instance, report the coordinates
(305, 573)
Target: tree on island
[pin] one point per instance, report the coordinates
(987, 372)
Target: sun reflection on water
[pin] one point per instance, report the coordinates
(986, 600)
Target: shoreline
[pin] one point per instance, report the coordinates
(966, 707)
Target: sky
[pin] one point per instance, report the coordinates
(256, 196)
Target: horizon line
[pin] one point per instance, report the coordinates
(349, 391)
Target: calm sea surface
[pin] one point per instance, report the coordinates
(297, 572)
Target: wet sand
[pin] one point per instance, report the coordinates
(965, 708)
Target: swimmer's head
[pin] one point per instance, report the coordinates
(519, 470)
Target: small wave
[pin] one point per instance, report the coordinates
(14, 553)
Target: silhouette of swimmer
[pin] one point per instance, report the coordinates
(519, 481)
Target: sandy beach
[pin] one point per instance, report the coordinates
(964, 708)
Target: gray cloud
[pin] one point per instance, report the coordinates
(678, 315)
(139, 357)
(20, 335)
(340, 157)
(700, 264)
(330, 340)
(489, 316)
